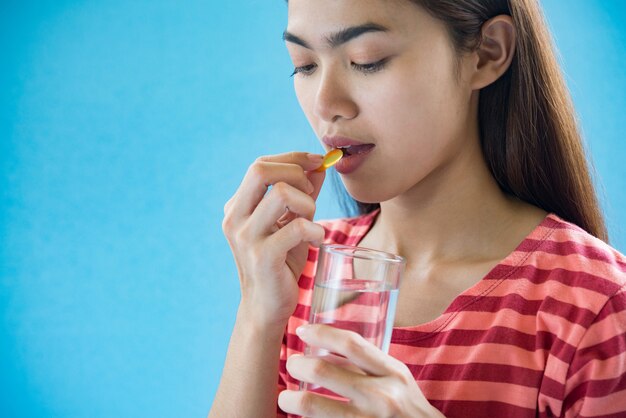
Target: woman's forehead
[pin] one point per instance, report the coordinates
(319, 20)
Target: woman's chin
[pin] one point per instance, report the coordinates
(369, 194)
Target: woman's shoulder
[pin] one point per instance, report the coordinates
(592, 270)
(574, 248)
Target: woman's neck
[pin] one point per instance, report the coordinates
(456, 213)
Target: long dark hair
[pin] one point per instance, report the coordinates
(528, 128)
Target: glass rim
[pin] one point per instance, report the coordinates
(340, 249)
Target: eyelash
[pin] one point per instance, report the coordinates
(370, 68)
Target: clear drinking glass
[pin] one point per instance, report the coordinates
(355, 289)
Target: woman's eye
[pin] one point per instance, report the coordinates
(304, 70)
(307, 70)
(370, 68)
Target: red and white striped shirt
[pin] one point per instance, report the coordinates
(542, 334)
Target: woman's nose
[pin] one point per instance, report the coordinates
(333, 100)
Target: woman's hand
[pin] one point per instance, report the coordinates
(380, 386)
(269, 232)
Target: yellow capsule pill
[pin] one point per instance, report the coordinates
(330, 159)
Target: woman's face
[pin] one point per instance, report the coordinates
(393, 85)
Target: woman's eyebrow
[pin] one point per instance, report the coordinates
(340, 37)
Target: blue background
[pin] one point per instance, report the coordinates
(124, 128)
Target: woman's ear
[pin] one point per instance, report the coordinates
(495, 51)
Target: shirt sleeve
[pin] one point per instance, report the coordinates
(596, 380)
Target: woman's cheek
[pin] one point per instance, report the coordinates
(306, 98)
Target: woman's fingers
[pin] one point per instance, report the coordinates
(283, 197)
(296, 232)
(266, 171)
(351, 345)
(317, 179)
(331, 372)
(311, 405)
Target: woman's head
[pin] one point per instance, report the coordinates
(436, 84)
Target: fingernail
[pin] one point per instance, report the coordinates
(315, 158)
(301, 330)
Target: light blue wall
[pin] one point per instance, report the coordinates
(124, 128)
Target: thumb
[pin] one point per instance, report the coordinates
(317, 178)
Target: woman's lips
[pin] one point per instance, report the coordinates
(350, 162)
(339, 141)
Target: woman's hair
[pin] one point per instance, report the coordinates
(528, 128)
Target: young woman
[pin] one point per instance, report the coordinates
(472, 168)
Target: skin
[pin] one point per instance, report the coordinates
(440, 206)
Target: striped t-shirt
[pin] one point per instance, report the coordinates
(542, 334)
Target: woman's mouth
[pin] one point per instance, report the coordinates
(353, 157)
(356, 149)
